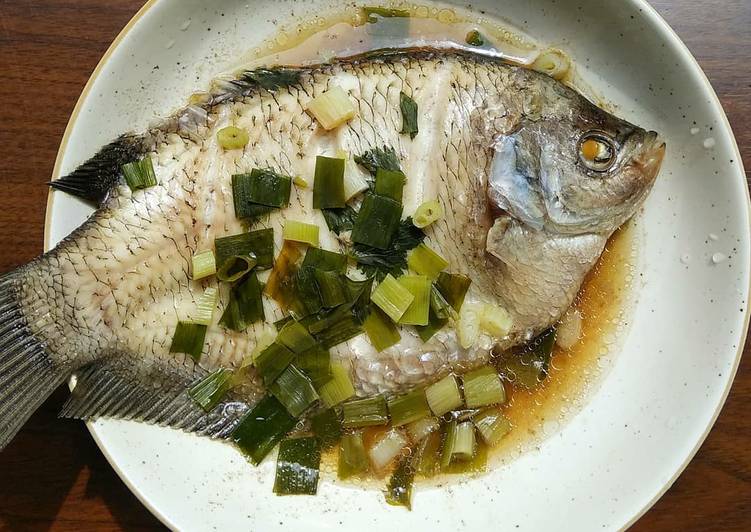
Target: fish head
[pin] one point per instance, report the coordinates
(571, 167)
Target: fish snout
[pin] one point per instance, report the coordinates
(650, 159)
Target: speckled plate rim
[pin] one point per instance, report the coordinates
(652, 16)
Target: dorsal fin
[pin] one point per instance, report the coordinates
(94, 179)
(114, 388)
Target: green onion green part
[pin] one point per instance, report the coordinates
(297, 467)
(245, 304)
(377, 221)
(210, 391)
(417, 312)
(205, 306)
(139, 174)
(430, 455)
(483, 387)
(338, 389)
(390, 184)
(331, 287)
(316, 364)
(301, 232)
(440, 307)
(269, 188)
(381, 330)
(307, 298)
(427, 213)
(464, 441)
(294, 390)
(399, 487)
(376, 158)
(447, 449)
(325, 260)
(353, 460)
(232, 138)
(529, 367)
(272, 361)
(248, 189)
(188, 339)
(235, 267)
(444, 396)
(328, 184)
(408, 407)
(365, 412)
(296, 337)
(392, 297)
(327, 427)
(386, 12)
(343, 329)
(409, 115)
(262, 428)
(453, 287)
(434, 325)
(474, 38)
(259, 243)
(340, 220)
(424, 261)
(492, 425)
(476, 464)
(204, 264)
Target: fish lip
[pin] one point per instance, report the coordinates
(650, 160)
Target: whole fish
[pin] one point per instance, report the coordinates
(533, 179)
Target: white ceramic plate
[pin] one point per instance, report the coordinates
(632, 439)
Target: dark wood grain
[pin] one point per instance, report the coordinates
(53, 477)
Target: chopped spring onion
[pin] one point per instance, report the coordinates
(262, 428)
(409, 115)
(316, 364)
(443, 396)
(307, 298)
(530, 367)
(280, 284)
(495, 320)
(439, 306)
(365, 412)
(354, 180)
(245, 304)
(204, 264)
(327, 427)
(483, 387)
(399, 487)
(425, 261)
(427, 213)
(417, 430)
(377, 221)
(340, 220)
(139, 174)
(331, 287)
(381, 330)
(434, 325)
(294, 390)
(392, 297)
(459, 442)
(417, 312)
(492, 425)
(235, 267)
(385, 12)
(188, 339)
(297, 467)
(299, 182)
(272, 361)
(474, 38)
(454, 287)
(232, 138)
(408, 407)
(328, 183)
(205, 306)
(430, 454)
(278, 324)
(296, 337)
(209, 391)
(341, 330)
(332, 108)
(259, 243)
(476, 464)
(390, 183)
(325, 260)
(242, 198)
(266, 187)
(552, 62)
(338, 389)
(386, 448)
(301, 232)
(353, 460)
(468, 327)
(263, 339)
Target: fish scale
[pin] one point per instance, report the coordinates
(103, 305)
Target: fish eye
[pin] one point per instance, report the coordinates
(597, 151)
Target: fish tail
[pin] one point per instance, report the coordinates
(28, 374)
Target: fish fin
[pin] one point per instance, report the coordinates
(93, 180)
(27, 373)
(117, 388)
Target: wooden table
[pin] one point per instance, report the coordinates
(53, 477)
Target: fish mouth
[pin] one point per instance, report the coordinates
(650, 160)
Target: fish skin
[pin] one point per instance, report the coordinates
(114, 290)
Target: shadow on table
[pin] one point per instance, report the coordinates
(54, 476)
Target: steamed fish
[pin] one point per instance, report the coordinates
(530, 177)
